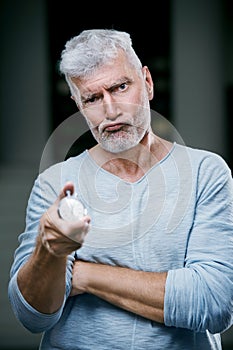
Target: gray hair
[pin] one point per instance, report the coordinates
(93, 48)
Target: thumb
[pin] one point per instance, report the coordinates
(69, 186)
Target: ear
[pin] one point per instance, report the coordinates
(148, 81)
(73, 98)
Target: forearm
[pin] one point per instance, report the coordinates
(42, 280)
(137, 291)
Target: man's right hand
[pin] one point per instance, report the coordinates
(61, 237)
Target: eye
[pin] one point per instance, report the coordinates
(122, 87)
(90, 100)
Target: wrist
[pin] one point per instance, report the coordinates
(44, 251)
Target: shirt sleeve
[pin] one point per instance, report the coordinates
(199, 296)
(41, 198)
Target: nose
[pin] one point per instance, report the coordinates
(111, 107)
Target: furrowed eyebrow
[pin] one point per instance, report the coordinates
(89, 97)
(114, 85)
(118, 83)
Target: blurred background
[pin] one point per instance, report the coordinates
(188, 46)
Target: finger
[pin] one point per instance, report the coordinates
(69, 186)
(87, 219)
(76, 230)
(59, 244)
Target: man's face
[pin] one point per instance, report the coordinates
(115, 103)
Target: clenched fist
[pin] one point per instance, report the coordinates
(61, 237)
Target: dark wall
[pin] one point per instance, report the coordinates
(149, 29)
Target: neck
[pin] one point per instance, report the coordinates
(132, 164)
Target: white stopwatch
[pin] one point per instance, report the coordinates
(70, 208)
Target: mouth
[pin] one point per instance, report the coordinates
(113, 127)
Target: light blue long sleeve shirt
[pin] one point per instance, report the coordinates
(178, 218)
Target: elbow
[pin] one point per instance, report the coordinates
(215, 318)
(206, 297)
(32, 328)
(34, 323)
(218, 321)
(29, 318)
